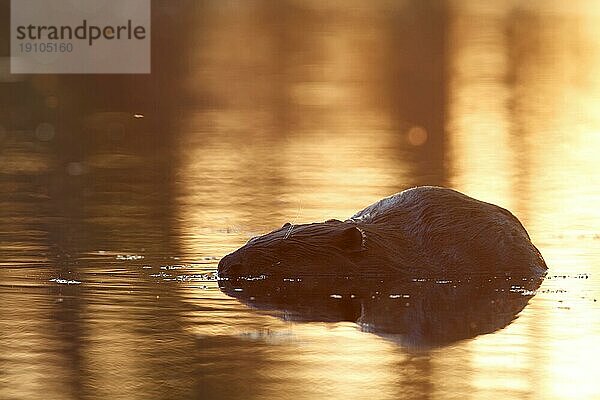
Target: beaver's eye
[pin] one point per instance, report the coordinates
(349, 239)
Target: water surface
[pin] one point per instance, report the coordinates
(260, 113)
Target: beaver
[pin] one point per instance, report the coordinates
(422, 231)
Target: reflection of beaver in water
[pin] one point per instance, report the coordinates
(424, 231)
(415, 312)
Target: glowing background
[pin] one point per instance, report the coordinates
(258, 113)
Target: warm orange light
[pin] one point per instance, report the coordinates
(417, 135)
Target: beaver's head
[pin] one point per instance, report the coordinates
(331, 247)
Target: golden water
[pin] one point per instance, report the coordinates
(259, 113)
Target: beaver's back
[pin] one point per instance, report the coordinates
(454, 231)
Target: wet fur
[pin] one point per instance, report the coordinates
(421, 231)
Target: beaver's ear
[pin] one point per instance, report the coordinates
(349, 239)
(286, 225)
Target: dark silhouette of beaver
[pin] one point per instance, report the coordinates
(416, 313)
(420, 232)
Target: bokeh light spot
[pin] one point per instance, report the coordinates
(417, 136)
(44, 132)
(75, 169)
(51, 101)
